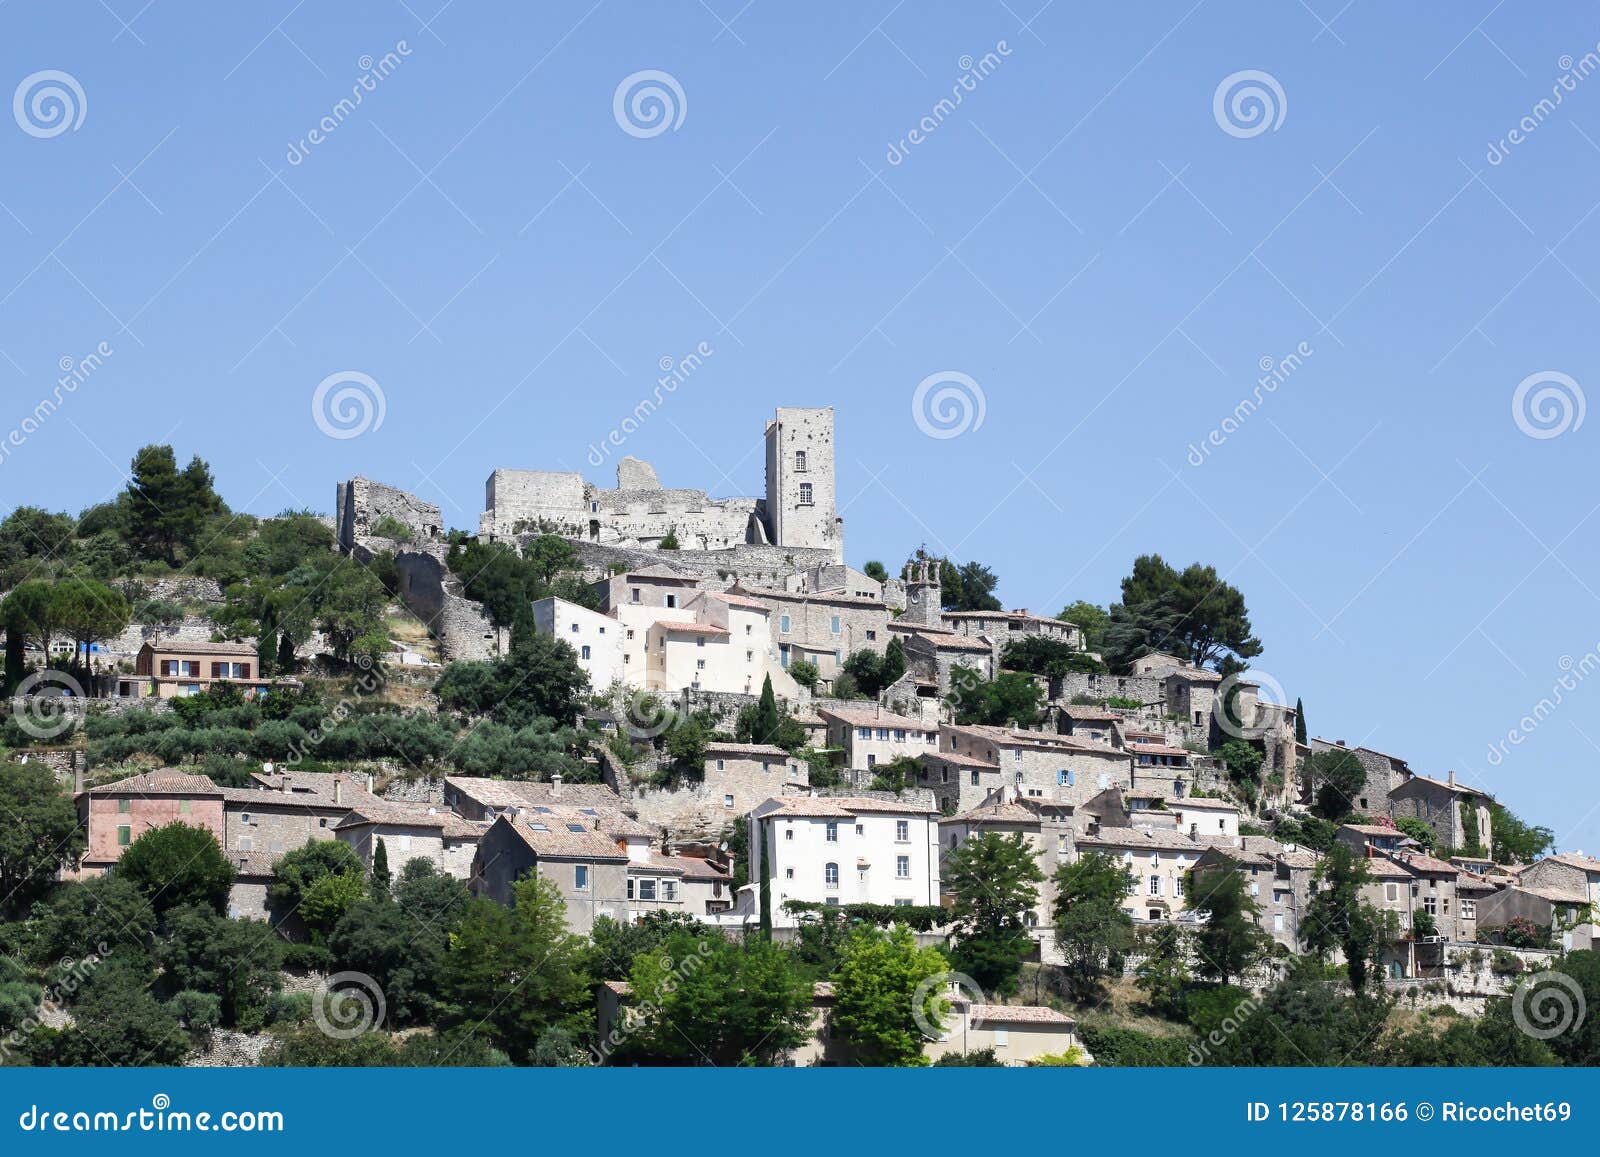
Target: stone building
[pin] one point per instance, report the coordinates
(412, 831)
(737, 777)
(800, 508)
(1459, 815)
(1045, 827)
(1384, 774)
(1037, 765)
(477, 798)
(596, 639)
(1003, 627)
(116, 814)
(823, 628)
(1570, 873)
(361, 503)
(869, 737)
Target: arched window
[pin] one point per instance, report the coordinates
(830, 875)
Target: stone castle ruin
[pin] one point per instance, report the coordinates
(794, 527)
(799, 510)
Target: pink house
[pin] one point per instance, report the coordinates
(116, 814)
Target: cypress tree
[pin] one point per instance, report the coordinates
(1299, 721)
(380, 869)
(768, 719)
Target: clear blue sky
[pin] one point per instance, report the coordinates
(1079, 236)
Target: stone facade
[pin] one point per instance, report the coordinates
(1458, 815)
(361, 502)
(433, 594)
(1384, 774)
(738, 776)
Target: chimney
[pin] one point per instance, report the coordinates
(879, 711)
(1452, 778)
(369, 783)
(338, 790)
(555, 785)
(77, 780)
(1338, 743)
(286, 789)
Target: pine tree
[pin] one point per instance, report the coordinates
(380, 870)
(1300, 722)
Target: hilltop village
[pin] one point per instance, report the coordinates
(611, 734)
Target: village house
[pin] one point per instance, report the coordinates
(735, 778)
(720, 643)
(586, 851)
(116, 814)
(1384, 774)
(1002, 627)
(1203, 818)
(839, 850)
(1090, 724)
(596, 639)
(1037, 764)
(1282, 880)
(1570, 873)
(824, 627)
(478, 798)
(1159, 862)
(284, 811)
(171, 668)
(872, 736)
(412, 831)
(1368, 839)
(1045, 827)
(1458, 815)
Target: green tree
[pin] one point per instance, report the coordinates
(704, 999)
(994, 880)
(1243, 760)
(1090, 619)
(1418, 830)
(897, 775)
(520, 970)
(876, 570)
(685, 744)
(875, 988)
(1338, 917)
(300, 869)
(325, 902)
(1190, 612)
(1579, 1041)
(1042, 655)
(670, 542)
(380, 870)
(178, 864)
(87, 612)
(805, 674)
(166, 508)
(539, 679)
(617, 944)
(28, 616)
(1338, 779)
(403, 954)
(93, 917)
(768, 719)
(1093, 931)
(1163, 974)
(39, 835)
(1231, 942)
(116, 1021)
(236, 960)
(1009, 698)
(1516, 842)
(1300, 723)
(1303, 1020)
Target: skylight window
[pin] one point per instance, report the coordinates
(575, 828)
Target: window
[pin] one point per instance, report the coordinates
(788, 873)
(700, 641)
(1002, 1037)
(974, 777)
(1064, 778)
(574, 628)
(124, 836)
(902, 867)
(580, 876)
(635, 594)
(861, 829)
(126, 805)
(1277, 921)
(1469, 909)
(902, 831)
(799, 461)
(584, 651)
(805, 494)
(902, 903)
(1155, 885)
(835, 626)
(783, 624)
(669, 890)
(1430, 905)
(183, 806)
(788, 833)
(647, 888)
(832, 832)
(405, 843)
(863, 733)
(830, 875)
(669, 600)
(1391, 892)
(630, 633)
(699, 664)
(1222, 824)
(899, 735)
(727, 801)
(871, 635)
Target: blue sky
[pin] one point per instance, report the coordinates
(1080, 237)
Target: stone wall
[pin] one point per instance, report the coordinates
(361, 502)
(433, 594)
(1141, 687)
(717, 569)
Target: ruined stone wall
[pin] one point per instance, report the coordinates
(754, 565)
(703, 810)
(433, 594)
(1143, 688)
(361, 502)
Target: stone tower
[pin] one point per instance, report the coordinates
(802, 506)
(923, 596)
